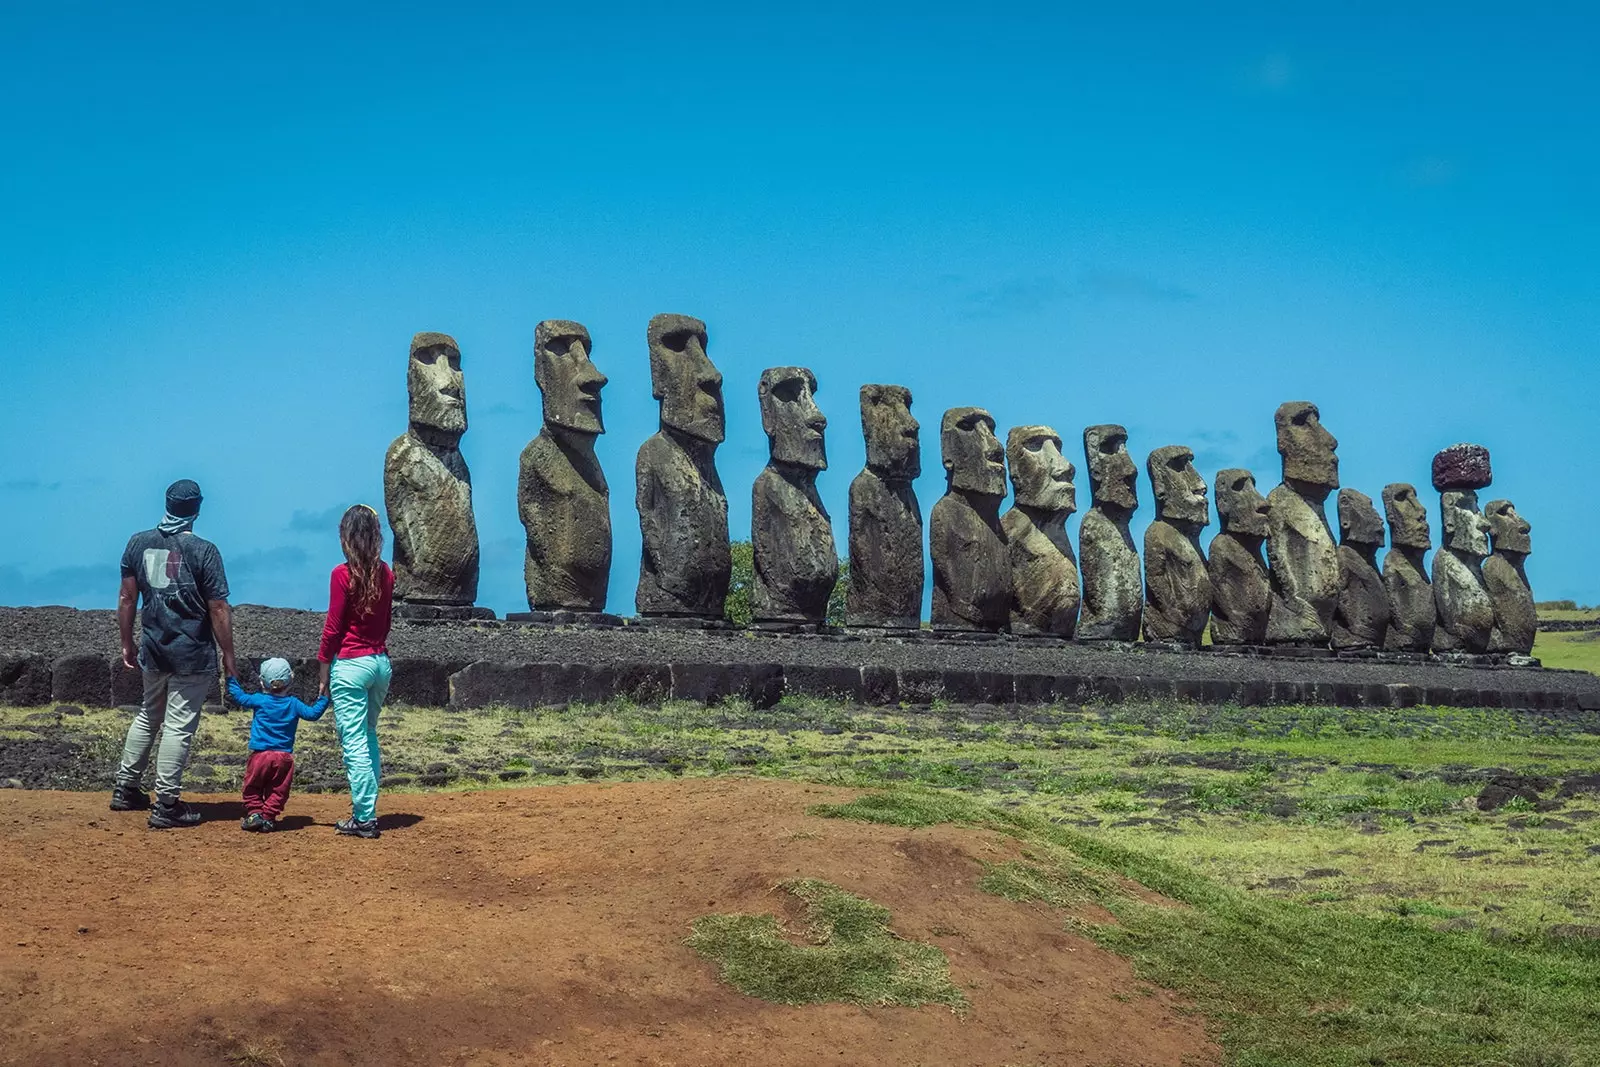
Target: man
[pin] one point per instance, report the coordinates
(186, 617)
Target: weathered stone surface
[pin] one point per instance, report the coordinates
(1302, 559)
(1505, 575)
(1177, 589)
(1461, 466)
(1466, 612)
(886, 562)
(971, 567)
(562, 496)
(24, 679)
(1045, 589)
(427, 489)
(685, 564)
(1241, 593)
(82, 679)
(1361, 617)
(1113, 590)
(1412, 611)
(796, 564)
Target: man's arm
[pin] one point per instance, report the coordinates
(222, 627)
(127, 601)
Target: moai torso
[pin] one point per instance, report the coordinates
(1303, 565)
(1177, 589)
(1361, 616)
(1466, 613)
(1241, 594)
(562, 496)
(1113, 591)
(886, 563)
(686, 564)
(971, 568)
(427, 492)
(1516, 620)
(796, 564)
(565, 507)
(1413, 613)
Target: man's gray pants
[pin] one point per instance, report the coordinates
(171, 712)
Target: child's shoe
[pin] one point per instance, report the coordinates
(266, 826)
(253, 821)
(351, 828)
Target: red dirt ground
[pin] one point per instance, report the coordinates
(535, 926)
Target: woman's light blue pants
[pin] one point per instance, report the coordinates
(358, 687)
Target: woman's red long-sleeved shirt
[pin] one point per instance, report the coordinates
(347, 633)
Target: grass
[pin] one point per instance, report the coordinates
(1290, 982)
(846, 954)
(1577, 651)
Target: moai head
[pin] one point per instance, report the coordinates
(1306, 447)
(683, 379)
(894, 447)
(1041, 477)
(1179, 490)
(1358, 519)
(973, 457)
(570, 383)
(1509, 531)
(1408, 517)
(438, 391)
(1112, 475)
(1465, 529)
(791, 418)
(1240, 505)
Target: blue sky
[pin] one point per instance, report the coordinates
(222, 229)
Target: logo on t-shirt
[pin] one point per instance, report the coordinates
(161, 567)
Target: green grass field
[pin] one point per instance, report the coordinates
(1578, 651)
(1346, 901)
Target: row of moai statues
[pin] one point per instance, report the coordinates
(1015, 572)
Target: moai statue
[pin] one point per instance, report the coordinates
(796, 564)
(1044, 573)
(1303, 561)
(1177, 589)
(1516, 622)
(427, 489)
(562, 494)
(1466, 612)
(1412, 612)
(971, 568)
(886, 570)
(683, 513)
(1361, 617)
(1241, 592)
(1113, 593)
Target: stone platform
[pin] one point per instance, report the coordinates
(58, 654)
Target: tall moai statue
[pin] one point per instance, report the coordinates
(1241, 592)
(1045, 590)
(686, 564)
(427, 489)
(1466, 612)
(562, 496)
(1516, 621)
(1361, 617)
(796, 564)
(1177, 589)
(971, 568)
(1113, 592)
(1413, 614)
(1302, 560)
(886, 568)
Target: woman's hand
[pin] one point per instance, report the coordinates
(322, 678)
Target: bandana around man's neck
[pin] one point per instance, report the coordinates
(175, 524)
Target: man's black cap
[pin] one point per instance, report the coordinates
(183, 499)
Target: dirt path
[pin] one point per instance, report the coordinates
(518, 927)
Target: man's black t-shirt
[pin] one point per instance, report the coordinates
(177, 575)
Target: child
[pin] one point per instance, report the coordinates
(271, 766)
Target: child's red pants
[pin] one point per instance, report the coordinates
(266, 782)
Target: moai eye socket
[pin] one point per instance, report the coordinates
(1240, 484)
(788, 390)
(676, 341)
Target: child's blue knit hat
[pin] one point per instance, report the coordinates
(276, 670)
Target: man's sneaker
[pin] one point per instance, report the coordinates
(129, 798)
(253, 821)
(173, 816)
(351, 828)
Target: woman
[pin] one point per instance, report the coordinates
(355, 659)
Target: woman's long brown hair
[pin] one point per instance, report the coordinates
(361, 537)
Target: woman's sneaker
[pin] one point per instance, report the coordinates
(172, 816)
(351, 828)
